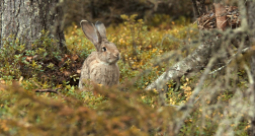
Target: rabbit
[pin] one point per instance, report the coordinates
(100, 66)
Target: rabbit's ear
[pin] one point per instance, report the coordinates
(101, 30)
(90, 31)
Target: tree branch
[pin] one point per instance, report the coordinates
(194, 62)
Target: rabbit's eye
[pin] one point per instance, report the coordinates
(103, 49)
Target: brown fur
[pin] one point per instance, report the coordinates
(100, 66)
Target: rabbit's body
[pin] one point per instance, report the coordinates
(99, 72)
(100, 66)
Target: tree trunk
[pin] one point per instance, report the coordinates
(199, 7)
(251, 22)
(25, 20)
(1, 6)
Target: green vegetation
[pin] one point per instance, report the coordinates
(126, 109)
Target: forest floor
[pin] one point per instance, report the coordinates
(39, 93)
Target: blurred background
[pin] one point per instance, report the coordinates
(109, 11)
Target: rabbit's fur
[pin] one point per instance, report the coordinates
(100, 66)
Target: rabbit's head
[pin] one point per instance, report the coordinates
(107, 52)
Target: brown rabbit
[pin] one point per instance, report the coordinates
(100, 66)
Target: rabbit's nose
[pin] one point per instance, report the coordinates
(117, 55)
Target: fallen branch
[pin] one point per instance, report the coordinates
(47, 90)
(194, 62)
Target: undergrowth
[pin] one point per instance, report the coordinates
(126, 109)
